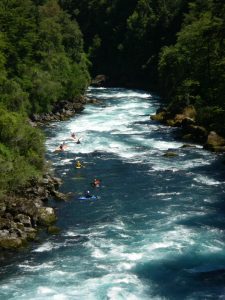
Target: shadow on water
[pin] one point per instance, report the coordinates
(185, 276)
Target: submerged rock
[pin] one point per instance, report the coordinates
(170, 154)
(53, 230)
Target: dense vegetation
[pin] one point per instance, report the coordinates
(124, 37)
(193, 70)
(175, 46)
(42, 62)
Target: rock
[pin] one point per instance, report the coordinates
(187, 122)
(160, 117)
(188, 146)
(25, 220)
(56, 181)
(195, 133)
(31, 233)
(171, 122)
(2, 208)
(188, 137)
(46, 216)
(170, 154)
(215, 142)
(99, 80)
(53, 230)
(11, 242)
(94, 101)
(182, 120)
(59, 196)
(190, 112)
(7, 224)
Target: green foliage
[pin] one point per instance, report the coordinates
(42, 62)
(127, 33)
(194, 66)
(40, 49)
(21, 151)
(212, 117)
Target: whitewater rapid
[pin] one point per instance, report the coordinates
(157, 228)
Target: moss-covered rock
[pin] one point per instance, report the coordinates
(170, 154)
(31, 233)
(46, 216)
(215, 142)
(11, 243)
(160, 117)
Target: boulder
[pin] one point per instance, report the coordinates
(195, 133)
(59, 196)
(25, 220)
(7, 224)
(160, 117)
(30, 233)
(215, 142)
(188, 146)
(10, 242)
(46, 216)
(170, 154)
(94, 101)
(99, 80)
(189, 112)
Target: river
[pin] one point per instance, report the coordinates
(156, 230)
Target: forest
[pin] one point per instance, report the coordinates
(48, 48)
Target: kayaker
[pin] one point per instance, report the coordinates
(96, 182)
(88, 194)
(78, 164)
(73, 135)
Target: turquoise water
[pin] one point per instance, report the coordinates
(156, 230)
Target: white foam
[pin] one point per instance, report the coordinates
(160, 245)
(132, 256)
(60, 297)
(31, 268)
(43, 290)
(48, 246)
(206, 180)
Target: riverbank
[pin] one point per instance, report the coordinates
(191, 131)
(26, 212)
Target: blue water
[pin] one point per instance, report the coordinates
(156, 230)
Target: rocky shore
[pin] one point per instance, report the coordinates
(191, 131)
(22, 215)
(62, 110)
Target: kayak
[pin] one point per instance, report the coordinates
(80, 167)
(58, 149)
(76, 140)
(88, 198)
